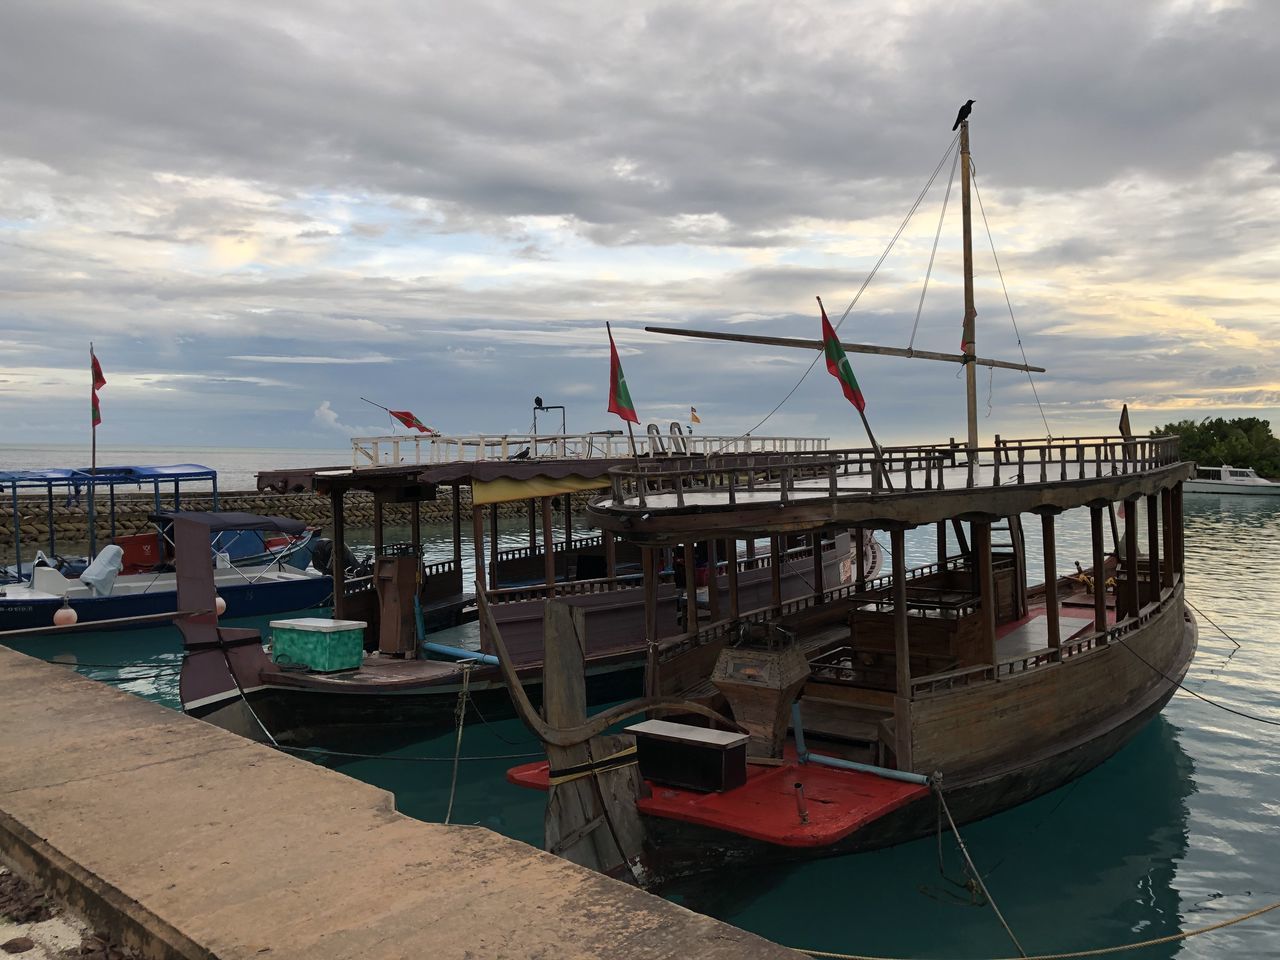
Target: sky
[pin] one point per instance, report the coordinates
(262, 212)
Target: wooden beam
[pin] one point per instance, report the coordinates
(942, 544)
(493, 546)
(902, 649)
(816, 345)
(986, 587)
(548, 543)
(818, 588)
(860, 559)
(477, 536)
(1131, 557)
(1153, 547)
(713, 581)
(649, 569)
(1099, 572)
(533, 524)
(1179, 543)
(457, 527)
(339, 567)
(732, 569)
(1051, 610)
(610, 555)
(377, 524)
(1166, 525)
(415, 530)
(775, 570)
(690, 589)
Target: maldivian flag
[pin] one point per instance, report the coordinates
(693, 415)
(99, 381)
(838, 363)
(409, 420)
(619, 396)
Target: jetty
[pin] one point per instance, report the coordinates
(182, 840)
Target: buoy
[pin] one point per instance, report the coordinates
(219, 606)
(65, 616)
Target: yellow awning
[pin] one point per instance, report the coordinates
(506, 490)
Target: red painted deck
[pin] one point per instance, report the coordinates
(764, 808)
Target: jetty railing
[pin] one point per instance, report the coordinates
(806, 475)
(400, 449)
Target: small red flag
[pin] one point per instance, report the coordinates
(409, 420)
(619, 396)
(99, 381)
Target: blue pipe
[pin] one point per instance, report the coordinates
(840, 764)
(458, 653)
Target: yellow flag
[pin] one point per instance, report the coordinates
(693, 415)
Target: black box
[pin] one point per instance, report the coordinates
(696, 758)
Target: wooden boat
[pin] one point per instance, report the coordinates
(859, 709)
(410, 681)
(1232, 480)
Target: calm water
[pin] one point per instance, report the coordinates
(1179, 830)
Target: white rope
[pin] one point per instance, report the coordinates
(934, 252)
(457, 747)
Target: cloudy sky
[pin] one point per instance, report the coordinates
(260, 212)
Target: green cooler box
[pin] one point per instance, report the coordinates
(318, 644)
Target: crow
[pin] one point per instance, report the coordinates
(963, 115)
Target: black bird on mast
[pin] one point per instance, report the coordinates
(963, 115)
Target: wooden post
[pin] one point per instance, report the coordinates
(377, 523)
(1179, 544)
(477, 534)
(568, 520)
(1166, 525)
(548, 543)
(1051, 610)
(415, 534)
(339, 548)
(1099, 573)
(690, 591)
(493, 546)
(1115, 529)
(942, 544)
(533, 524)
(649, 568)
(610, 555)
(1131, 557)
(731, 567)
(902, 650)
(986, 586)
(818, 587)
(1153, 548)
(457, 528)
(713, 582)
(751, 547)
(775, 570)
(860, 560)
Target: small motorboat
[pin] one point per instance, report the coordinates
(1228, 479)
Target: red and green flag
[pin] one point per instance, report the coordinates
(99, 381)
(838, 364)
(619, 396)
(412, 422)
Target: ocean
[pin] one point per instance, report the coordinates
(1179, 830)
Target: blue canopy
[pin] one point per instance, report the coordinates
(84, 476)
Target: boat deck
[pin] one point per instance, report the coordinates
(382, 673)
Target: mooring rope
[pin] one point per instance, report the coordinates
(457, 747)
(1211, 623)
(1096, 952)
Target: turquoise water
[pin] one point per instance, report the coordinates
(1179, 830)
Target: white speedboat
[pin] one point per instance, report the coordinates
(1227, 479)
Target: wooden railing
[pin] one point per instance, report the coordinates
(425, 449)
(781, 478)
(523, 553)
(564, 588)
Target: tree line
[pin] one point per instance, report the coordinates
(1242, 442)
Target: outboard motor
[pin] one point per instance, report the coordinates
(100, 576)
(322, 556)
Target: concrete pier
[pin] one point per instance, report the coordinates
(187, 841)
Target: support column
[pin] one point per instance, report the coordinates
(610, 555)
(377, 523)
(1166, 527)
(986, 587)
(775, 570)
(1099, 572)
(1131, 556)
(493, 546)
(533, 524)
(731, 568)
(339, 566)
(650, 570)
(942, 544)
(568, 520)
(1051, 610)
(415, 531)
(477, 536)
(690, 590)
(818, 587)
(860, 560)
(457, 530)
(902, 650)
(751, 548)
(1179, 544)
(1153, 548)
(548, 542)
(713, 588)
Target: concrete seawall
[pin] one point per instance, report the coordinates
(187, 841)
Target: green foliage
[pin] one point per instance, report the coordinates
(1243, 442)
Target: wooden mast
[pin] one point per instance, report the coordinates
(967, 339)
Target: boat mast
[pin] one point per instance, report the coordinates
(967, 345)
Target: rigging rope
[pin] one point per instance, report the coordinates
(1211, 623)
(461, 715)
(934, 252)
(865, 283)
(973, 171)
(1097, 952)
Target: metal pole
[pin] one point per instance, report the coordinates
(969, 337)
